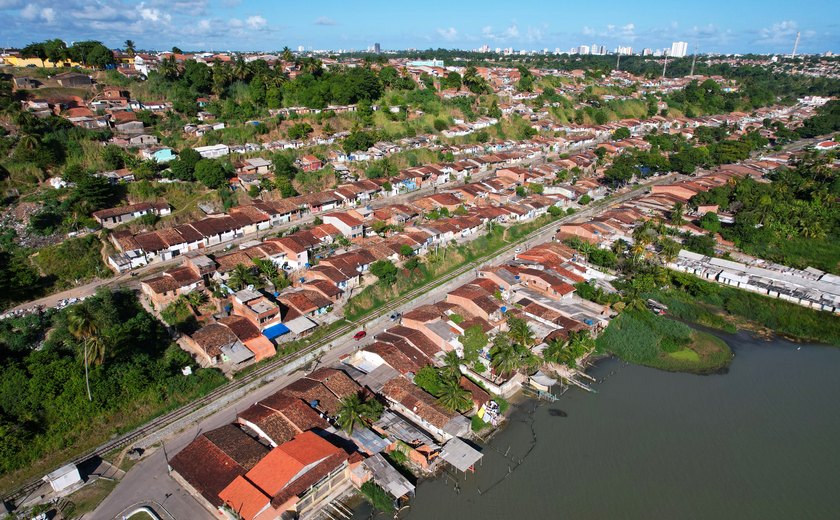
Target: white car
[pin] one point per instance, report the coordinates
(517, 250)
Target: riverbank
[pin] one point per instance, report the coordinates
(729, 309)
(757, 444)
(644, 338)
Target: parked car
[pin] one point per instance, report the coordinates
(517, 250)
(359, 335)
(395, 316)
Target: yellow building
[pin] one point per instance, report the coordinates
(18, 61)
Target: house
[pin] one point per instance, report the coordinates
(280, 417)
(143, 140)
(213, 151)
(254, 165)
(213, 460)
(166, 288)
(73, 80)
(158, 154)
(113, 217)
(310, 163)
(421, 408)
(256, 308)
(290, 481)
(216, 343)
(349, 225)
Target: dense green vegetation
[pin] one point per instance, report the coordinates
(795, 220)
(641, 337)
(72, 262)
(719, 306)
(378, 497)
(134, 374)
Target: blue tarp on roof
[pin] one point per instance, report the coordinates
(275, 330)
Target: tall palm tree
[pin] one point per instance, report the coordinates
(520, 332)
(241, 276)
(451, 370)
(129, 48)
(82, 326)
(241, 70)
(169, 68)
(356, 409)
(287, 55)
(454, 397)
(678, 214)
(504, 357)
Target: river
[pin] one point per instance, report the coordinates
(761, 441)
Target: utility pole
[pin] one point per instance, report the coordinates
(795, 45)
(664, 66)
(618, 61)
(693, 61)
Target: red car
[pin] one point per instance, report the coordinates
(359, 335)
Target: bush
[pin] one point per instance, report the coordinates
(476, 424)
(378, 497)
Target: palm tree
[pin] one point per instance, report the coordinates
(129, 48)
(520, 332)
(454, 397)
(451, 370)
(356, 409)
(287, 55)
(504, 357)
(677, 214)
(82, 326)
(196, 298)
(241, 70)
(169, 68)
(241, 276)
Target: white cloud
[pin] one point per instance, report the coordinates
(783, 32)
(256, 22)
(323, 20)
(48, 14)
(449, 34)
(625, 33)
(30, 12)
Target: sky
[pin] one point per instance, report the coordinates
(727, 26)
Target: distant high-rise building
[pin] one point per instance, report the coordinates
(678, 50)
(301, 48)
(485, 48)
(647, 52)
(625, 51)
(376, 48)
(583, 49)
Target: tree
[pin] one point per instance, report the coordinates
(677, 214)
(507, 357)
(621, 133)
(406, 251)
(710, 222)
(94, 192)
(356, 409)
(55, 50)
(299, 131)
(241, 276)
(473, 340)
(519, 331)
(211, 173)
(385, 270)
(451, 370)
(83, 326)
(129, 48)
(454, 397)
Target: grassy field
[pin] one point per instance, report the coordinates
(86, 499)
(644, 338)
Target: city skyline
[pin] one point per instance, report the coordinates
(259, 25)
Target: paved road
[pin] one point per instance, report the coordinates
(149, 481)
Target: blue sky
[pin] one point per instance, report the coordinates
(712, 25)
